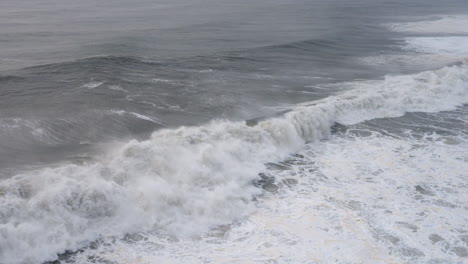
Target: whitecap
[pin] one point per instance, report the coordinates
(92, 85)
(443, 24)
(447, 46)
(183, 182)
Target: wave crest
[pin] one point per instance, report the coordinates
(184, 181)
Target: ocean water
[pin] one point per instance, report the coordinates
(322, 131)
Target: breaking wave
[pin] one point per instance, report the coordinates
(184, 181)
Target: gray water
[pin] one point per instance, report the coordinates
(93, 90)
(177, 62)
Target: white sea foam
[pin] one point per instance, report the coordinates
(116, 88)
(140, 116)
(159, 80)
(443, 24)
(448, 46)
(444, 42)
(92, 84)
(350, 199)
(182, 182)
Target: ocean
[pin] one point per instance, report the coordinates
(203, 131)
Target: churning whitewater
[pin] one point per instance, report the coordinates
(183, 182)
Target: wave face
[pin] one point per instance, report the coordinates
(376, 190)
(182, 182)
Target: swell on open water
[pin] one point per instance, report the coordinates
(336, 149)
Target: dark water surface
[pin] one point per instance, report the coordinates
(74, 72)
